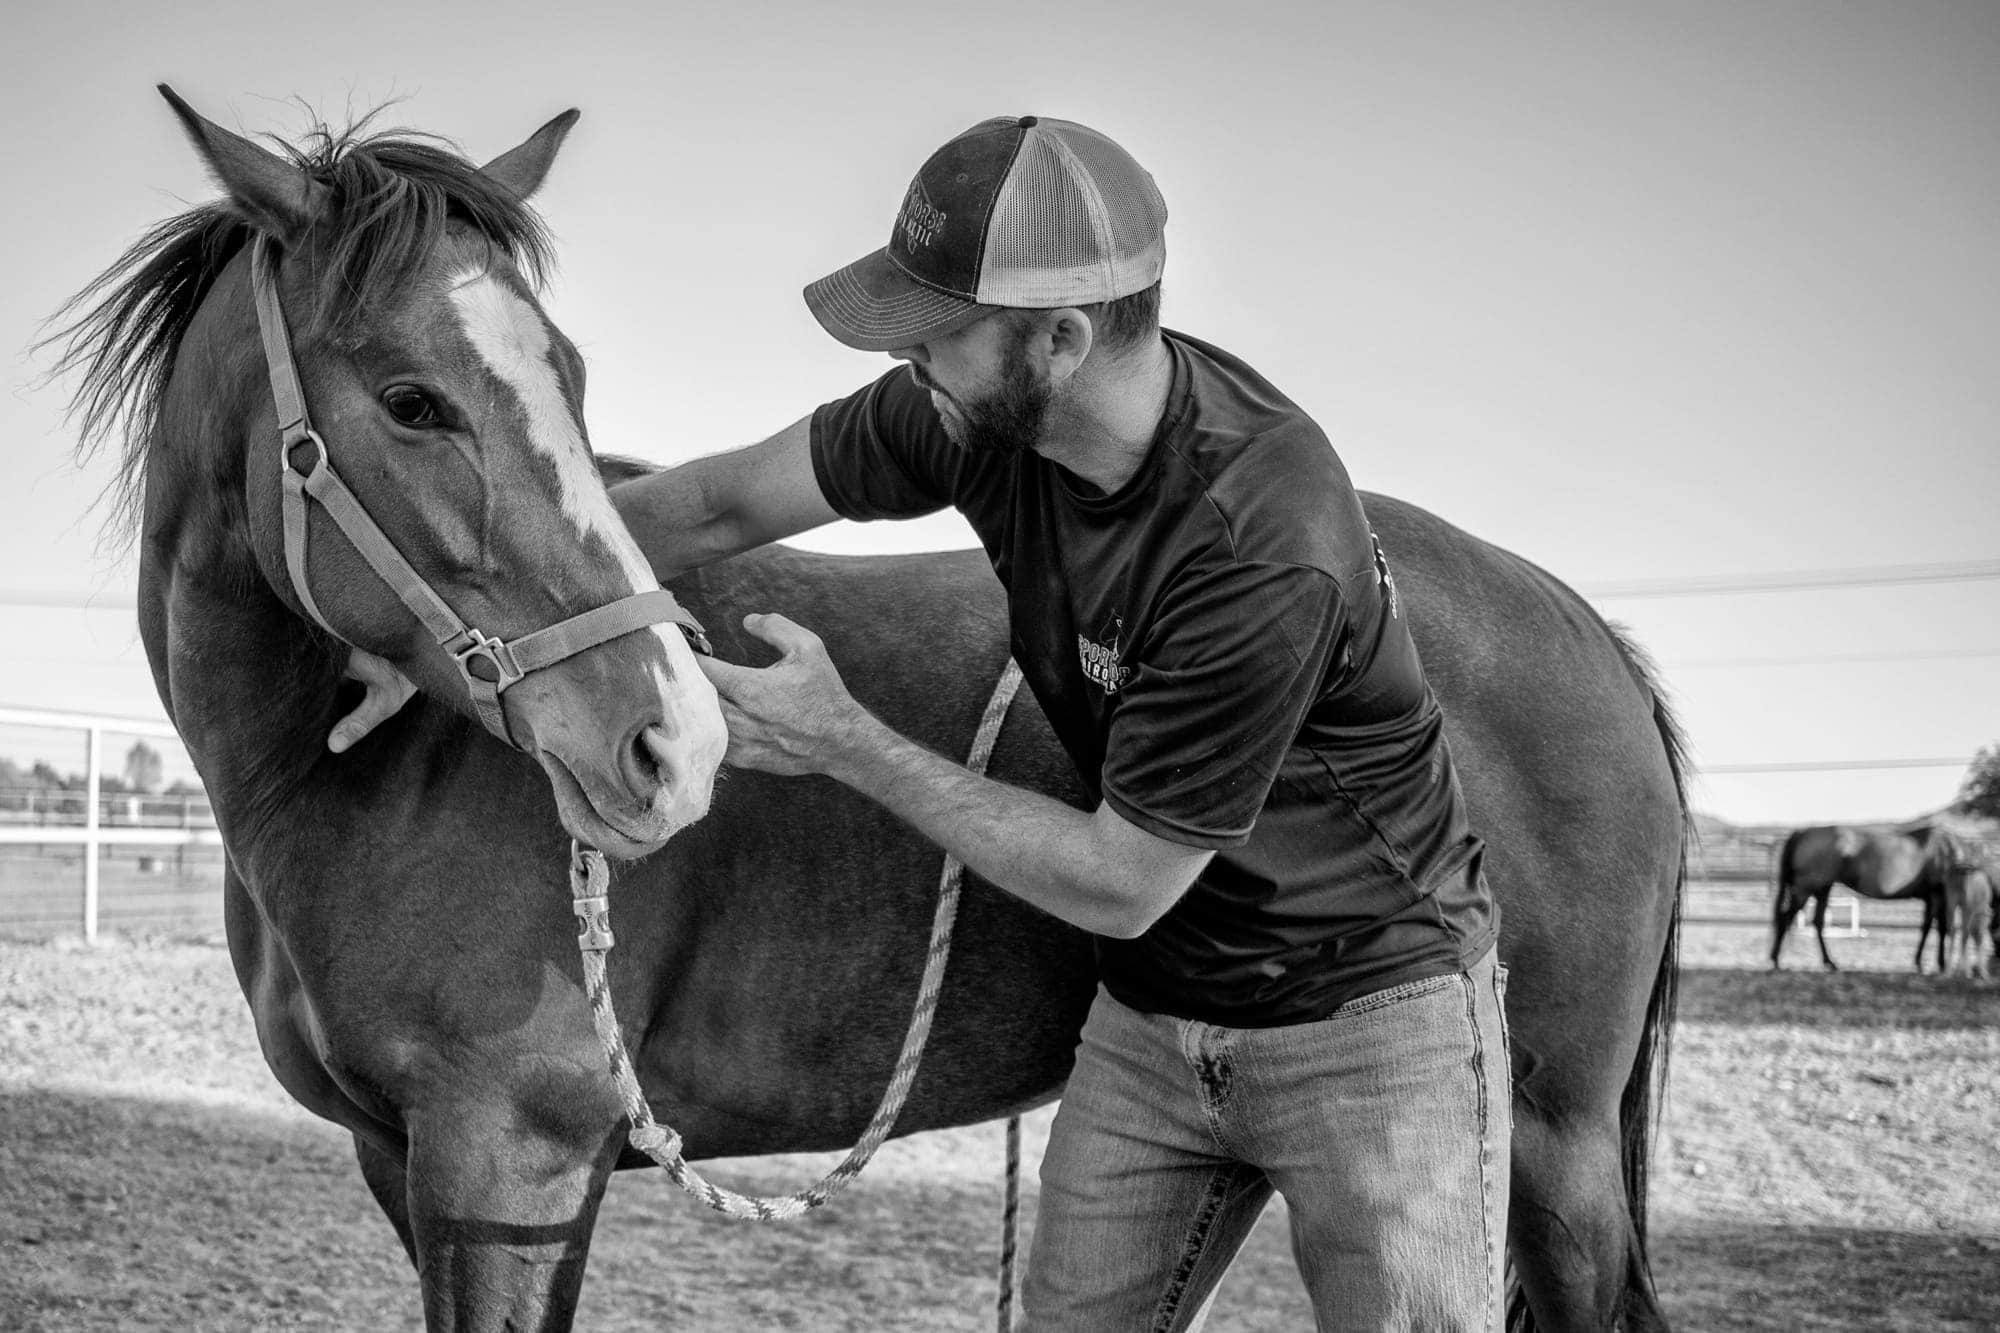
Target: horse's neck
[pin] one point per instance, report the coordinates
(250, 689)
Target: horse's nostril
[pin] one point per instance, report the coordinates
(652, 756)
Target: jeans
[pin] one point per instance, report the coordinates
(1386, 1128)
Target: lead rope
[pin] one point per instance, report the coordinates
(589, 884)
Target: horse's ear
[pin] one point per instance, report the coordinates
(522, 169)
(272, 194)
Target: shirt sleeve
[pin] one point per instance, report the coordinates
(882, 453)
(1219, 692)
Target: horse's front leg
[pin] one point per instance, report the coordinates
(501, 1207)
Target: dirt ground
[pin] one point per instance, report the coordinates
(1831, 1160)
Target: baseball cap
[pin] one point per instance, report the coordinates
(1018, 211)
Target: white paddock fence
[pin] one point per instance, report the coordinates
(42, 828)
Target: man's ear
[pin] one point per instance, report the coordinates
(268, 192)
(1070, 337)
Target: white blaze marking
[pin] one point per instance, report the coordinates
(510, 337)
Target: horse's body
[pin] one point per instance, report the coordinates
(1968, 904)
(1873, 862)
(399, 920)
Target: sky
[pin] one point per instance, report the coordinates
(1655, 295)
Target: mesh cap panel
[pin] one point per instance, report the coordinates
(1077, 222)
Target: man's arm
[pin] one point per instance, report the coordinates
(688, 516)
(1094, 870)
(682, 518)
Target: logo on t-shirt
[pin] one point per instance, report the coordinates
(1386, 579)
(1100, 662)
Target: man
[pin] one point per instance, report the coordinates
(1295, 938)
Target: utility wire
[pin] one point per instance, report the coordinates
(121, 599)
(1832, 659)
(1798, 580)
(1833, 765)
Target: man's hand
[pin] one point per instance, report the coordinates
(793, 716)
(388, 690)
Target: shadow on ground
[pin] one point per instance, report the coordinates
(130, 1214)
(1845, 999)
(1822, 1278)
(127, 1214)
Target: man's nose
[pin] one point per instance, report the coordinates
(914, 352)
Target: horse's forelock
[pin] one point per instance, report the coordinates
(392, 195)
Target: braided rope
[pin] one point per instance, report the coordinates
(1010, 1225)
(589, 885)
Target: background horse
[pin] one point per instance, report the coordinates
(1968, 905)
(399, 915)
(1875, 863)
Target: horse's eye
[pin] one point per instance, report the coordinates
(411, 406)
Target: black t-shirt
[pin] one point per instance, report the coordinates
(1220, 647)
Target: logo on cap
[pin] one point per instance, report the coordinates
(921, 221)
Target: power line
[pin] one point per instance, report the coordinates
(1800, 580)
(1834, 659)
(1833, 765)
(123, 599)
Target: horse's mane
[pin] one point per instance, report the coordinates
(390, 196)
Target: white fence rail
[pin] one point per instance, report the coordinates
(95, 818)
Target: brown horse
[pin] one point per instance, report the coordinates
(1875, 863)
(399, 914)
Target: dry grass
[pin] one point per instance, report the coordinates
(1829, 1163)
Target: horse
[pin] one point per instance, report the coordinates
(1873, 862)
(398, 915)
(1968, 900)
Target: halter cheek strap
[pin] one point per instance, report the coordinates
(488, 664)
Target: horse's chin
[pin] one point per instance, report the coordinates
(623, 837)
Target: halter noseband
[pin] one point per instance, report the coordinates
(489, 664)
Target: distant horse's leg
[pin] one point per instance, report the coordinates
(1934, 913)
(1783, 911)
(1924, 933)
(502, 1216)
(1572, 1239)
(1820, 901)
(389, 1183)
(1979, 937)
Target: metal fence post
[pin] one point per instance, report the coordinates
(91, 788)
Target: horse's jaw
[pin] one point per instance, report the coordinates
(618, 826)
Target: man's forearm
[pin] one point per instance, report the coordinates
(1036, 848)
(713, 507)
(674, 517)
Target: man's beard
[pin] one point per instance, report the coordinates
(1006, 421)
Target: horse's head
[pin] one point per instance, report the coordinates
(451, 409)
(1942, 851)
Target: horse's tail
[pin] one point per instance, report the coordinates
(1784, 877)
(1645, 1092)
(1646, 1087)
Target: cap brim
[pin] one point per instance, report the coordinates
(874, 306)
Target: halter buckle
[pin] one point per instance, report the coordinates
(470, 647)
(696, 636)
(294, 436)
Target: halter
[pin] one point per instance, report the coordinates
(489, 664)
